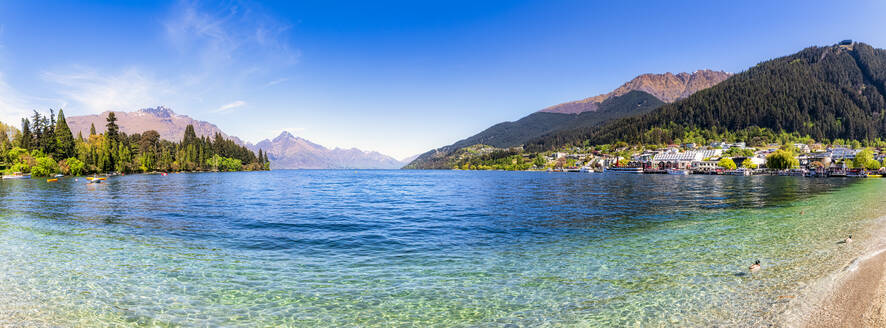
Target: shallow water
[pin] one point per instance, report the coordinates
(389, 248)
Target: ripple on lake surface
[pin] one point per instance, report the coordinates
(387, 248)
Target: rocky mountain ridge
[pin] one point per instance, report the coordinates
(165, 121)
(667, 87)
(287, 151)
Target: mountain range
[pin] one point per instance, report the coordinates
(285, 151)
(288, 152)
(638, 96)
(167, 123)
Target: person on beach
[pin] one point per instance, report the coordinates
(848, 239)
(755, 266)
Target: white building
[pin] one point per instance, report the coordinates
(704, 165)
(679, 159)
(842, 153)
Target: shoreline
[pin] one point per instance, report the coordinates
(854, 296)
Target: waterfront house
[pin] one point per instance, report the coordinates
(704, 165)
(645, 157)
(726, 145)
(842, 153)
(802, 148)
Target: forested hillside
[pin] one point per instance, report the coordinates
(535, 125)
(825, 92)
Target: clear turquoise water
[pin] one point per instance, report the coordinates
(394, 248)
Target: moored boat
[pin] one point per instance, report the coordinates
(678, 172)
(629, 170)
(740, 172)
(52, 180)
(857, 173)
(17, 175)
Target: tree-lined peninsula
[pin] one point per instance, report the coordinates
(45, 146)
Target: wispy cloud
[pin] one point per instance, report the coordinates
(231, 106)
(276, 82)
(13, 106)
(222, 33)
(95, 91)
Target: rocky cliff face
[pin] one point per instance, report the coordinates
(667, 87)
(290, 152)
(170, 125)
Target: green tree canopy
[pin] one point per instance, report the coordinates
(748, 163)
(740, 152)
(113, 130)
(726, 163)
(25, 138)
(865, 159)
(63, 136)
(44, 167)
(781, 160)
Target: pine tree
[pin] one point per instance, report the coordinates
(113, 131)
(4, 140)
(64, 138)
(92, 129)
(26, 134)
(48, 137)
(190, 136)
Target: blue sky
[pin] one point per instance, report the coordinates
(399, 77)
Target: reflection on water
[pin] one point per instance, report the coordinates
(383, 248)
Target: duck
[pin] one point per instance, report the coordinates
(755, 266)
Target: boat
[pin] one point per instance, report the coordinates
(857, 173)
(52, 180)
(17, 175)
(740, 172)
(59, 175)
(628, 170)
(837, 173)
(678, 172)
(96, 178)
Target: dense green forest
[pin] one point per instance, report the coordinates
(535, 125)
(45, 146)
(826, 93)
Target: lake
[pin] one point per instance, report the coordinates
(423, 248)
